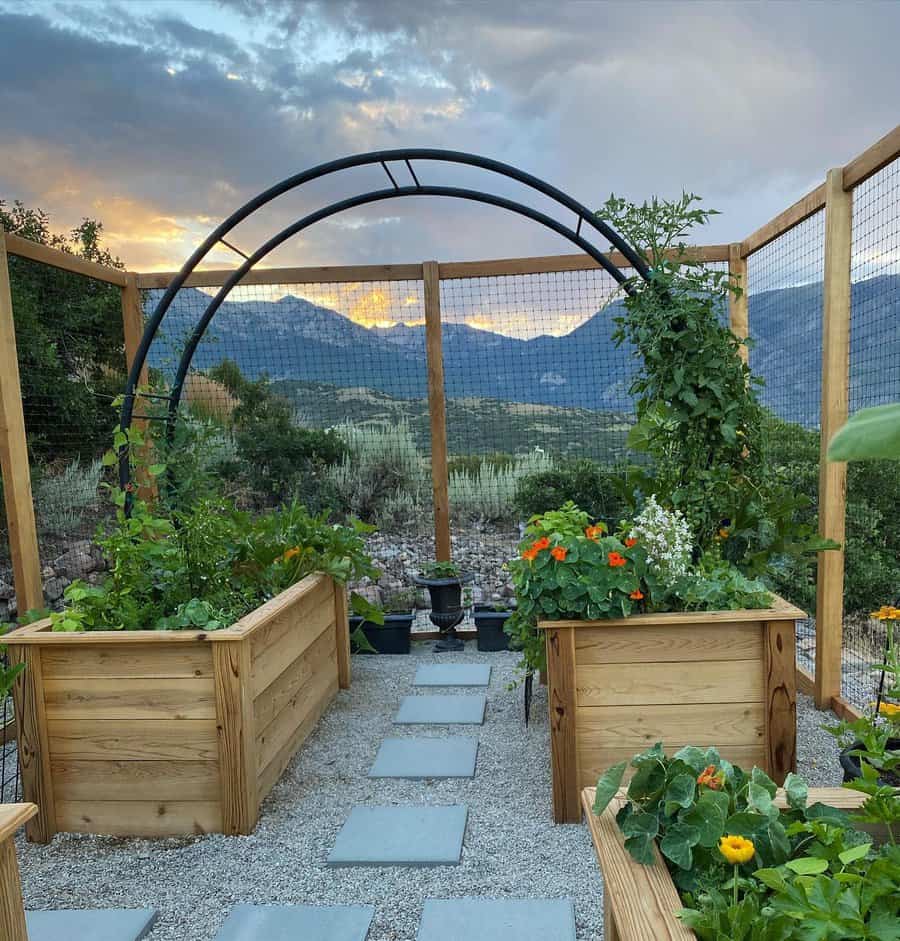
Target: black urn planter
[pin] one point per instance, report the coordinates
(392, 637)
(850, 763)
(489, 624)
(446, 607)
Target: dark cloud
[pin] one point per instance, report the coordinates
(745, 103)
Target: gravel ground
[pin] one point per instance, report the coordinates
(512, 849)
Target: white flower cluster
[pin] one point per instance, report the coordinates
(666, 537)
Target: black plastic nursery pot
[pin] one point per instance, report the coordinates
(489, 625)
(850, 763)
(392, 637)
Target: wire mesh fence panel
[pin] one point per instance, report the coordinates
(784, 281)
(535, 384)
(315, 392)
(872, 572)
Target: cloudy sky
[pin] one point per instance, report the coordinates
(159, 118)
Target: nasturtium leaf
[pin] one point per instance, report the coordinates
(771, 878)
(641, 824)
(680, 793)
(648, 781)
(678, 844)
(745, 823)
(758, 776)
(760, 799)
(695, 758)
(607, 786)
(641, 848)
(807, 865)
(796, 791)
(854, 853)
(708, 815)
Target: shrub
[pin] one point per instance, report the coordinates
(599, 490)
(62, 499)
(489, 493)
(382, 472)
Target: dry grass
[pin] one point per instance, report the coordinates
(208, 398)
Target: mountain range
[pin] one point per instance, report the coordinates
(293, 339)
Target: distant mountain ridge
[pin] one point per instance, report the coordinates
(295, 339)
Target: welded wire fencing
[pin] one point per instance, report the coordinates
(872, 573)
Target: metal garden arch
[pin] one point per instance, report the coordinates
(583, 215)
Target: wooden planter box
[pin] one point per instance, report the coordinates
(151, 733)
(640, 902)
(12, 913)
(725, 678)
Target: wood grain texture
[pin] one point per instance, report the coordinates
(739, 306)
(141, 818)
(342, 635)
(12, 912)
(780, 610)
(156, 780)
(127, 661)
(326, 274)
(561, 704)
(127, 740)
(643, 899)
(781, 700)
(643, 684)
(806, 683)
(25, 248)
(738, 723)
(434, 351)
(724, 641)
(834, 405)
(101, 698)
(14, 463)
(33, 743)
(13, 816)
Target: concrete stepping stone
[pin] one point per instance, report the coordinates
(453, 674)
(426, 758)
(497, 919)
(441, 710)
(297, 923)
(107, 924)
(401, 836)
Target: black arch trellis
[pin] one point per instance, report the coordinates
(583, 214)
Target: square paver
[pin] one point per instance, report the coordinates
(401, 836)
(426, 758)
(453, 674)
(297, 923)
(497, 919)
(107, 924)
(441, 710)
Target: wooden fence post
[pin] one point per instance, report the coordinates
(739, 307)
(133, 322)
(835, 405)
(23, 544)
(431, 276)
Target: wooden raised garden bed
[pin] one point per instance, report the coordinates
(726, 678)
(150, 733)
(12, 913)
(640, 902)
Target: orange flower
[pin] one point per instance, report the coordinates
(291, 553)
(616, 560)
(530, 554)
(542, 543)
(630, 543)
(636, 595)
(723, 533)
(594, 532)
(559, 553)
(710, 778)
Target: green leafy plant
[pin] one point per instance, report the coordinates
(438, 570)
(746, 869)
(699, 418)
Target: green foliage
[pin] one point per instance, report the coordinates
(698, 413)
(571, 569)
(204, 564)
(600, 490)
(276, 456)
(489, 491)
(870, 434)
(439, 570)
(70, 340)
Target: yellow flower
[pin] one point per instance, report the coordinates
(886, 613)
(736, 849)
(890, 709)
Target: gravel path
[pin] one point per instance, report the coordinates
(512, 849)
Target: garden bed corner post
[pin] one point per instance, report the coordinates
(561, 701)
(779, 658)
